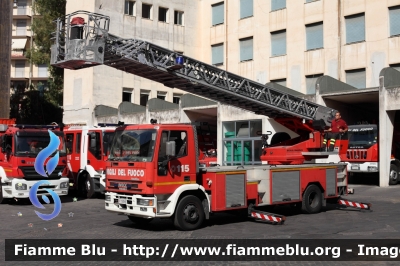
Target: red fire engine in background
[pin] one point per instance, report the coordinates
(363, 151)
(20, 144)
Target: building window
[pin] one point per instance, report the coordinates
(246, 49)
(163, 14)
(19, 69)
(43, 71)
(315, 36)
(355, 28)
(278, 4)
(147, 11)
(161, 95)
(281, 82)
(217, 54)
(394, 16)
(278, 43)
(246, 8)
(21, 27)
(144, 97)
(176, 98)
(178, 17)
(127, 95)
(241, 142)
(218, 14)
(130, 8)
(310, 83)
(21, 9)
(356, 78)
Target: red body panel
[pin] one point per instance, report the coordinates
(12, 163)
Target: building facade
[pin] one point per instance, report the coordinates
(23, 72)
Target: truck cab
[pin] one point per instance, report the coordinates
(20, 145)
(148, 166)
(87, 152)
(363, 152)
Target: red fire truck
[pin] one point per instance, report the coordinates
(20, 144)
(87, 152)
(362, 155)
(153, 170)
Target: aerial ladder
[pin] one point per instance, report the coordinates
(82, 40)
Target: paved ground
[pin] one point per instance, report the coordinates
(91, 221)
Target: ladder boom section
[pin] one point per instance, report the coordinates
(91, 45)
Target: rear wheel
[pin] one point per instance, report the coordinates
(189, 213)
(312, 200)
(393, 175)
(86, 186)
(140, 220)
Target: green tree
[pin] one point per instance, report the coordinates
(43, 106)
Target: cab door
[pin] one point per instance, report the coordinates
(95, 149)
(73, 145)
(174, 171)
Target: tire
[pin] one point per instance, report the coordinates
(393, 175)
(312, 200)
(189, 214)
(1, 192)
(140, 220)
(86, 186)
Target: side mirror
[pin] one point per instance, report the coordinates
(170, 149)
(93, 139)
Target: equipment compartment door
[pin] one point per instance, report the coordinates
(285, 186)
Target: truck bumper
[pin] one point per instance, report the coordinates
(127, 204)
(362, 167)
(19, 188)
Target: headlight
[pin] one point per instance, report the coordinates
(20, 186)
(64, 185)
(108, 198)
(145, 202)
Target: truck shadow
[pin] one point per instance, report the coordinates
(364, 179)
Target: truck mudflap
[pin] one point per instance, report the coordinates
(267, 217)
(353, 204)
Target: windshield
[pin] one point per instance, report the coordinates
(133, 145)
(32, 145)
(362, 138)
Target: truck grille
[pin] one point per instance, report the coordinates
(30, 173)
(357, 154)
(125, 185)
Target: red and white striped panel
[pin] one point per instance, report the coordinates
(266, 217)
(354, 204)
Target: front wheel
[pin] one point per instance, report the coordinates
(312, 200)
(86, 186)
(393, 175)
(189, 213)
(140, 220)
